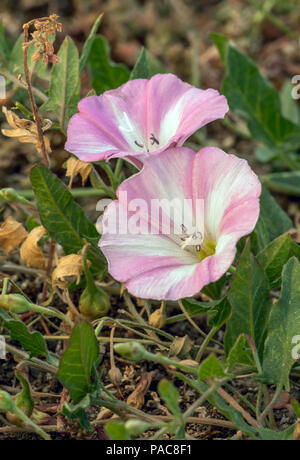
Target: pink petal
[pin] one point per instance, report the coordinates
(140, 118)
(155, 266)
(230, 190)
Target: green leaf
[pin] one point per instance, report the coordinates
(4, 45)
(250, 299)
(33, 342)
(284, 182)
(75, 369)
(117, 431)
(64, 91)
(146, 66)
(218, 315)
(284, 324)
(78, 411)
(141, 68)
(272, 222)
(106, 74)
(63, 218)
(16, 60)
(252, 95)
(217, 311)
(265, 434)
(274, 256)
(171, 397)
(240, 354)
(210, 368)
(88, 44)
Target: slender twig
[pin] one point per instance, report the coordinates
(192, 322)
(205, 343)
(35, 111)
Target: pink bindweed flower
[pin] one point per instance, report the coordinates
(140, 118)
(157, 264)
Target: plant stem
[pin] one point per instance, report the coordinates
(203, 398)
(33, 362)
(77, 193)
(192, 322)
(22, 84)
(35, 112)
(271, 405)
(205, 343)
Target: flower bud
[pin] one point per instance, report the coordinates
(9, 195)
(158, 319)
(94, 303)
(115, 376)
(15, 303)
(23, 401)
(131, 350)
(136, 427)
(6, 402)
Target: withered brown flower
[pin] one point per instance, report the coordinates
(25, 130)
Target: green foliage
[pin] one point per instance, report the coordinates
(275, 255)
(117, 431)
(16, 61)
(284, 324)
(171, 396)
(106, 74)
(4, 46)
(77, 363)
(240, 354)
(251, 302)
(146, 66)
(272, 222)
(64, 91)
(88, 44)
(211, 368)
(60, 214)
(251, 94)
(33, 342)
(284, 182)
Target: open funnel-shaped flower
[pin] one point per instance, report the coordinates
(162, 261)
(141, 118)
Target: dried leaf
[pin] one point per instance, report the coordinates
(181, 346)
(24, 130)
(297, 431)
(284, 401)
(137, 397)
(190, 362)
(158, 319)
(30, 252)
(12, 233)
(75, 167)
(68, 268)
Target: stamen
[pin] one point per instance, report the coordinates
(139, 145)
(153, 139)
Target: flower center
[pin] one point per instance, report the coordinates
(197, 244)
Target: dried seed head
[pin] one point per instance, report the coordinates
(115, 376)
(42, 37)
(157, 319)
